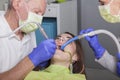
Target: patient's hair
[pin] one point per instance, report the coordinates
(78, 66)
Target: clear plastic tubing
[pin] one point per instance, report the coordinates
(41, 30)
(92, 34)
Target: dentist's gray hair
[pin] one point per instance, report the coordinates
(9, 4)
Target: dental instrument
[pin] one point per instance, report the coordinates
(91, 34)
(40, 28)
(42, 31)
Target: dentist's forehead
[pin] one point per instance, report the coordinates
(38, 6)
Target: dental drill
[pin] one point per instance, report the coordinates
(42, 31)
(40, 28)
(92, 34)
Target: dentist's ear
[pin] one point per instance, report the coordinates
(21, 8)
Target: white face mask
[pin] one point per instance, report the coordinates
(32, 17)
(106, 14)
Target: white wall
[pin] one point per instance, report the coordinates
(2, 4)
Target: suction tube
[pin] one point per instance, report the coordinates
(92, 34)
(41, 30)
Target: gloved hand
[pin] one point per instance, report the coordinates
(43, 64)
(118, 65)
(118, 68)
(94, 43)
(43, 52)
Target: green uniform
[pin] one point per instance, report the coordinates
(54, 72)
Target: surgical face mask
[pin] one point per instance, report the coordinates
(32, 17)
(106, 14)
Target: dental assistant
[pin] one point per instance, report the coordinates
(102, 56)
(19, 50)
(110, 12)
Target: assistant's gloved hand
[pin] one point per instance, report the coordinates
(43, 52)
(118, 68)
(118, 65)
(94, 43)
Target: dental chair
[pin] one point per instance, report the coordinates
(100, 74)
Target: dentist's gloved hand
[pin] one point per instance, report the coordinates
(43, 52)
(118, 65)
(44, 64)
(94, 43)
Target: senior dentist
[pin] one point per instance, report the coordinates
(18, 52)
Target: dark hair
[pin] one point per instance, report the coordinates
(78, 66)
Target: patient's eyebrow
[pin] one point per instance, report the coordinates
(58, 36)
(68, 37)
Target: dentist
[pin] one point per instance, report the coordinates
(18, 52)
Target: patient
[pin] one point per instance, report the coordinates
(65, 65)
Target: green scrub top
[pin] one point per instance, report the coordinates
(54, 72)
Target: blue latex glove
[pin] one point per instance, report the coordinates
(94, 43)
(118, 68)
(118, 65)
(43, 52)
(43, 64)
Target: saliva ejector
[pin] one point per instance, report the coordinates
(92, 34)
(38, 24)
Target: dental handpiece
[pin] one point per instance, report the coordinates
(42, 31)
(92, 34)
